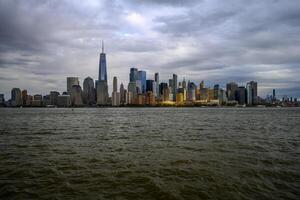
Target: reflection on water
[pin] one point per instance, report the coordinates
(150, 153)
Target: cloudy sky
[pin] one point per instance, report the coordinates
(44, 41)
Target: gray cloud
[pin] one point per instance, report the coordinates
(42, 42)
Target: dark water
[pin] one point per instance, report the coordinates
(150, 153)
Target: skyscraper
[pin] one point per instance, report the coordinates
(274, 95)
(142, 78)
(76, 95)
(115, 94)
(149, 85)
(174, 87)
(251, 92)
(231, 89)
(184, 84)
(102, 93)
(24, 97)
(156, 78)
(115, 84)
(101, 84)
(16, 97)
(191, 96)
(241, 95)
(133, 76)
(132, 93)
(70, 82)
(122, 94)
(53, 97)
(89, 93)
(102, 66)
(202, 85)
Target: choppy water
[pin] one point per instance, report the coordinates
(150, 153)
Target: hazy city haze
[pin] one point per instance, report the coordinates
(43, 42)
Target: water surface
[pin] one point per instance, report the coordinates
(150, 153)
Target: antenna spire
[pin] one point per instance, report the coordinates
(102, 46)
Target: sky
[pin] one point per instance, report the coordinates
(44, 41)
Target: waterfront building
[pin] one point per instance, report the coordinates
(202, 85)
(24, 97)
(174, 87)
(211, 94)
(241, 95)
(122, 94)
(76, 96)
(46, 100)
(102, 93)
(274, 95)
(216, 91)
(37, 100)
(171, 97)
(231, 89)
(165, 92)
(115, 99)
(53, 97)
(89, 93)
(141, 100)
(203, 94)
(115, 94)
(132, 92)
(156, 78)
(70, 82)
(29, 100)
(149, 85)
(133, 75)
(150, 99)
(102, 66)
(251, 92)
(2, 100)
(154, 89)
(138, 86)
(171, 85)
(180, 96)
(184, 84)
(16, 97)
(142, 78)
(64, 100)
(101, 84)
(191, 96)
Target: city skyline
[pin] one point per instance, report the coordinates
(212, 41)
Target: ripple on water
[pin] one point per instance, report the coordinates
(149, 153)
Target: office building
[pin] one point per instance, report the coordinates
(231, 89)
(115, 94)
(16, 97)
(241, 95)
(123, 92)
(251, 93)
(174, 86)
(102, 66)
(64, 100)
(89, 92)
(191, 94)
(156, 78)
(2, 100)
(133, 76)
(70, 82)
(24, 97)
(76, 96)
(149, 86)
(102, 93)
(142, 78)
(53, 97)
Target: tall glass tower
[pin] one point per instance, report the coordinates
(102, 66)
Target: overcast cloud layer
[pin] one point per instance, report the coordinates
(44, 41)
